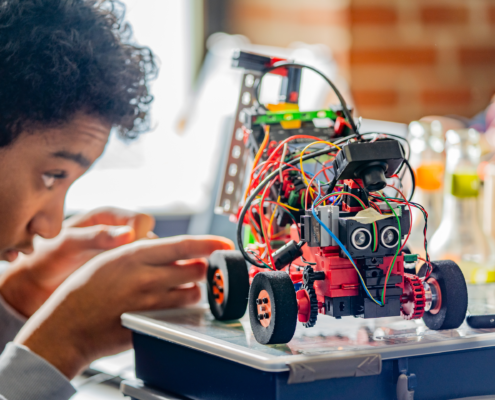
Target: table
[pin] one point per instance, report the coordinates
(186, 351)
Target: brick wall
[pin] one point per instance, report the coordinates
(404, 59)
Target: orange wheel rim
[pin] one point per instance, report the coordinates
(264, 308)
(218, 286)
(438, 305)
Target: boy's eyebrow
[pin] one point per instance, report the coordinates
(76, 157)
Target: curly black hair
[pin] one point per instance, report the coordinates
(63, 57)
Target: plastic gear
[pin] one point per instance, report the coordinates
(309, 277)
(413, 299)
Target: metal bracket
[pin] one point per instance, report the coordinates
(230, 191)
(315, 369)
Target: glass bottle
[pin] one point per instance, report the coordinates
(460, 237)
(489, 199)
(428, 161)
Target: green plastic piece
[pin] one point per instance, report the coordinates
(276, 117)
(293, 198)
(248, 236)
(410, 258)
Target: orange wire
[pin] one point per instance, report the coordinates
(257, 158)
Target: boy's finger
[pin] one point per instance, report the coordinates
(166, 251)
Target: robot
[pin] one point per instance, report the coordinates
(314, 225)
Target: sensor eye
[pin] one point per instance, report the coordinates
(361, 238)
(390, 237)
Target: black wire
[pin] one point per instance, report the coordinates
(367, 201)
(258, 189)
(412, 178)
(345, 110)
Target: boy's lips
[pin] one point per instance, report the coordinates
(11, 255)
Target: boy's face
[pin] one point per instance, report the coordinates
(36, 171)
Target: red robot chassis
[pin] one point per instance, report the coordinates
(345, 253)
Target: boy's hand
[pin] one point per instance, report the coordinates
(31, 279)
(80, 322)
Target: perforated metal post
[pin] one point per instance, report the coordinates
(231, 189)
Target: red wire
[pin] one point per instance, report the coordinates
(263, 219)
(288, 140)
(376, 207)
(309, 185)
(429, 269)
(277, 163)
(410, 215)
(407, 238)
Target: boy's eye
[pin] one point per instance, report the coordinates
(50, 178)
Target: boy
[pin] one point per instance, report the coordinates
(68, 75)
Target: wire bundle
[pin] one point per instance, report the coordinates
(285, 159)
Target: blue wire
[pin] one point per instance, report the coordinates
(341, 246)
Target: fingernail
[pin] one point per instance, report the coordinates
(119, 230)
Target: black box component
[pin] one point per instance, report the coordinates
(250, 61)
(375, 279)
(358, 238)
(380, 281)
(371, 162)
(286, 254)
(289, 90)
(310, 230)
(351, 201)
(391, 291)
(390, 309)
(343, 306)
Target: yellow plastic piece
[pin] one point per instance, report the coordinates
(465, 184)
(288, 124)
(429, 175)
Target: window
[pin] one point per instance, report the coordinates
(145, 173)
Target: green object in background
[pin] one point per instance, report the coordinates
(248, 236)
(466, 184)
(410, 258)
(280, 116)
(294, 199)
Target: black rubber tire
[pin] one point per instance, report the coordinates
(454, 296)
(284, 307)
(236, 284)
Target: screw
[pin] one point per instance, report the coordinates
(220, 289)
(258, 301)
(217, 275)
(266, 315)
(260, 317)
(265, 300)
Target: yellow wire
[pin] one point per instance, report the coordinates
(287, 206)
(278, 234)
(301, 161)
(257, 158)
